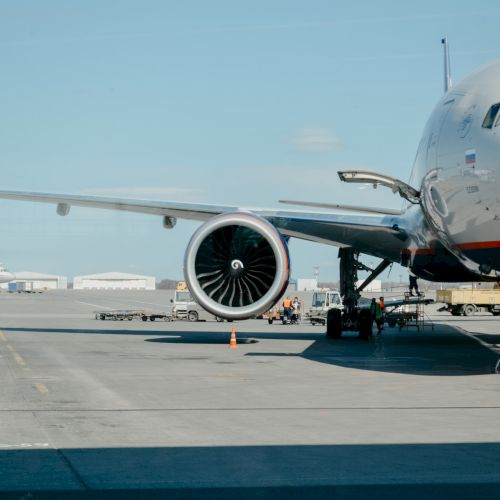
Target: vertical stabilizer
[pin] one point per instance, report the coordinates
(447, 71)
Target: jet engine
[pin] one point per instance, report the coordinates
(237, 265)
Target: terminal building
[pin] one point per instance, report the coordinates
(114, 281)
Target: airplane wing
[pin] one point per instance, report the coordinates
(381, 235)
(237, 264)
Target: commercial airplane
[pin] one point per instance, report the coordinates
(5, 275)
(237, 263)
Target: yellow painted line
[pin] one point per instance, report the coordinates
(2, 337)
(10, 348)
(20, 361)
(41, 388)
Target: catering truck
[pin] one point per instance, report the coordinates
(467, 302)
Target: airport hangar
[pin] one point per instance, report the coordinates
(39, 281)
(114, 281)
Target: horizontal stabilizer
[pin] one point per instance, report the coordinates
(337, 206)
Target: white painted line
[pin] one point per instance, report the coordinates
(25, 445)
(100, 306)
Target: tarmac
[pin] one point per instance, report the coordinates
(129, 409)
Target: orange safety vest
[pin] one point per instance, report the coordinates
(287, 303)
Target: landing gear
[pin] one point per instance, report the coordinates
(352, 318)
(334, 323)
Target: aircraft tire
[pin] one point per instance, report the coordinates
(334, 324)
(365, 324)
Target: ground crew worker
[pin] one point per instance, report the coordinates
(296, 309)
(376, 314)
(287, 308)
(413, 284)
(382, 312)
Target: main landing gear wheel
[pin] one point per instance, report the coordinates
(334, 324)
(365, 324)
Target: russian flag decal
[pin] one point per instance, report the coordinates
(470, 156)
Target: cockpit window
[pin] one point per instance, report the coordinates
(492, 113)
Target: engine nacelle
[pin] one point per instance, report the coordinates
(237, 265)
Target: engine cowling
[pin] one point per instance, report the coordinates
(237, 265)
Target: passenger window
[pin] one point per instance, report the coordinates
(489, 119)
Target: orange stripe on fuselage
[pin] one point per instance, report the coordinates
(479, 245)
(476, 245)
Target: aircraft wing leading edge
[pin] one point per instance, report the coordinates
(373, 234)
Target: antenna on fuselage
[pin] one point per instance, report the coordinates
(447, 71)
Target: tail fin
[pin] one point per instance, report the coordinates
(447, 70)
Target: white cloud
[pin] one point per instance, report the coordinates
(315, 140)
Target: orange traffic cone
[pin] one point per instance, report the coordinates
(232, 342)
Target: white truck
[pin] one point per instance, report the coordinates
(184, 306)
(322, 301)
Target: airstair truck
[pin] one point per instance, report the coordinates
(467, 302)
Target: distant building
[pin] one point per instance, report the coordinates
(306, 284)
(114, 281)
(374, 286)
(38, 281)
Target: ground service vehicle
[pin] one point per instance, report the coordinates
(185, 307)
(467, 302)
(130, 314)
(322, 302)
(273, 314)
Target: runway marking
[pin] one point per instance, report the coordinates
(41, 388)
(245, 410)
(25, 445)
(19, 360)
(100, 306)
(2, 337)
(122, 303)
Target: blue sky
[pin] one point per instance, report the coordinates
(214, 102)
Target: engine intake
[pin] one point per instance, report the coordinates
(237, 265)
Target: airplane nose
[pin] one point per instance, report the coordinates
(5, 277)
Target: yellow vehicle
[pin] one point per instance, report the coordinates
(467, 302)
(273, 314)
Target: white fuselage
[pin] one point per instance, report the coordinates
(5, 275)
(459, 161)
